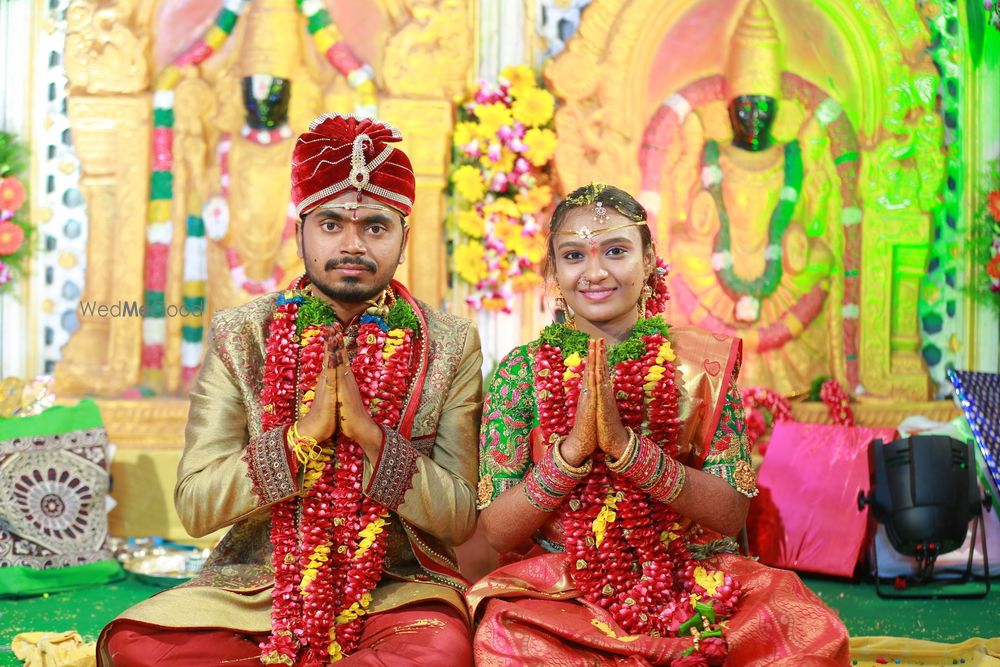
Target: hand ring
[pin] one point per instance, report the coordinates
(584, 390)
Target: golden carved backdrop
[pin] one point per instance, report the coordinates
(628, 58)
(422, 55)
(635, 62)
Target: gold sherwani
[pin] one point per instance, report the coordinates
(231, 472)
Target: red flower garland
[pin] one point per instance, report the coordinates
(657, 302)
(755, 401)
(645, 578)
(326, 566)
(837, 403)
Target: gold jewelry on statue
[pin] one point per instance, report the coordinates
(564, 466)
(754, 63)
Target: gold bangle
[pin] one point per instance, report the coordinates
(678, 485)
(564, 466)
(625, 460)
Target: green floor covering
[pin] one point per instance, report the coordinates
(88, 610)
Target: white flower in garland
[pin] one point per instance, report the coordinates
(711, 175)
(747, 309)
(722, 260)
(828, 111)
(788, 193)
(772, 252)
(215, 213)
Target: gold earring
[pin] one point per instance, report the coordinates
(644, 295)
(561, 305)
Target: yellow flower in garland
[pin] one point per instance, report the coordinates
(541, 146)
(533, 248)
(534, 107)
(504, 163)
(521, 78)
(495, 304)
(319, 556)
(604, 517)
(503, 206)
(527, 280)
(534, 199)
(465, 132)
(469, 183)
(470, 262)
(508, 230)
(665, 353)
(368, 535)
(471, 223)
(492, 117)
(393, 340)
(710, 581)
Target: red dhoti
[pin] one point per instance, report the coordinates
(425, 633)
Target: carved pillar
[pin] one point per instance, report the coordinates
(894, 262)
(426, 128)
(111, 138)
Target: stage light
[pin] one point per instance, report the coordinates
(924, 491)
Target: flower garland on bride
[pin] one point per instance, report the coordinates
(626, 552)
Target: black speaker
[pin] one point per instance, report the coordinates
(925, 492)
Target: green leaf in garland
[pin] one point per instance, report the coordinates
(572, 340)
(401, 316)
(13, 155)
(313, 311)
(634, 347)
(566, 339)
(816, 386)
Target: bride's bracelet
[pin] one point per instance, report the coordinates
(550, 480)
(650, 468)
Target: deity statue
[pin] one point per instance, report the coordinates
(751, 238)
(267, 82)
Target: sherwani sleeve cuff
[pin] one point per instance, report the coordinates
(271, 466)
(392, 475)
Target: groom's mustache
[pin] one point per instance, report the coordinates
(356, 262)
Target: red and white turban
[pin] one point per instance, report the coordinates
(341, 153)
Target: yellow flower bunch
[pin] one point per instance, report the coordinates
(607, 515)
(503, 146)
(469, 183)
(393, 340)
(319, 556)
(470, 262)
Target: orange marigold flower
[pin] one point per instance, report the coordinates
(11, 194)
(993, 268)
(994, 204)
(11, 238)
